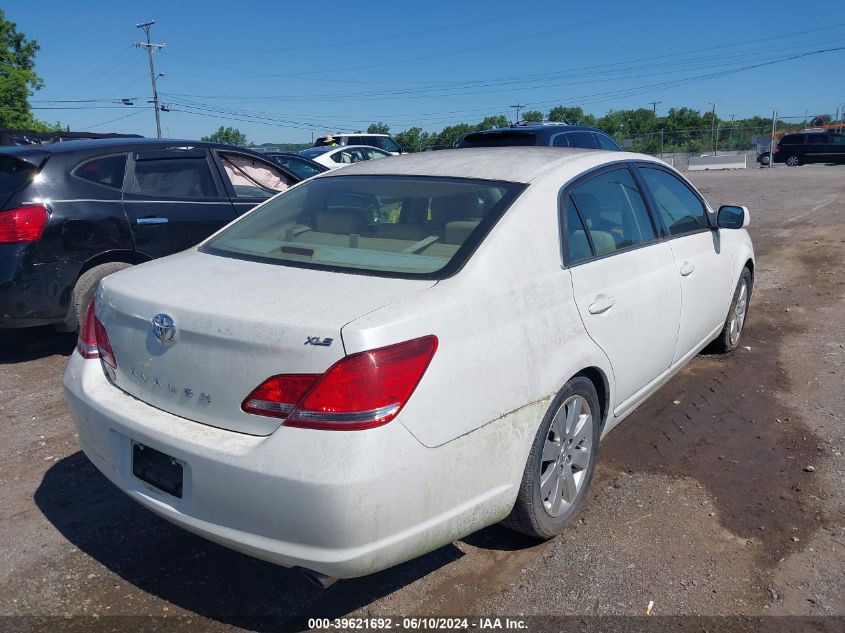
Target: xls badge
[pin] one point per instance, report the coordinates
(316, 340)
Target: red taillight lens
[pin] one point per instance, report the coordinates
(777, 147)
(360, 391)
(86, 344)
(22, 225)
(277, 395)
(93, 341)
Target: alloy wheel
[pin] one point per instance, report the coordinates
(738, 317)
(566, 455)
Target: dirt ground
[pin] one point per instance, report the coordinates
(724, 494)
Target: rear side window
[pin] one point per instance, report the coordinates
(560, 141)
(389, 225)
(173, 178)
(104, 170)
(582, 139)
(14, 174)
(252, 178)
(680, 210)
(578, 244)
(605, 142)
(386, 143)
(793, 139)
(817, 139)
(614, 212)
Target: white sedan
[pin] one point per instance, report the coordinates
(391, 356)
(334, 157)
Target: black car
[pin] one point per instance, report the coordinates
(73, 212)
(301, 166)
(548, 135)
(811, 147)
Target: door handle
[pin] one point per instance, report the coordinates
(151, 220)
(603, 303)
(687, 269)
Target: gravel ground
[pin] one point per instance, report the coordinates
(722, 495)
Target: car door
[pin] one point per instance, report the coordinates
(837, 148)
(623, 278)
(250, 180)
(702, 265)
(817, 149)
(173, 199)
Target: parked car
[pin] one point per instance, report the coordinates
(74, 212)
(394, 355)
(299, 165)
(811, 147)
(547, 134)
(382, 141)
(334, 157)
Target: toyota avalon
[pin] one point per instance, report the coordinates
(388, 357)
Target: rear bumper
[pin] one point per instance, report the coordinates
(345, 504)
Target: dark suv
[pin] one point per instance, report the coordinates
(548, 134)
(811, 147)
(72, 213)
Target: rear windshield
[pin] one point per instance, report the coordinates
(500, 139)
(395, 226)
(14, 174)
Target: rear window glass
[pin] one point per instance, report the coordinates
(105, 170)
(14, 174)
(383, 225)
(503, 139)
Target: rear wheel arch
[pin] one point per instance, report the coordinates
(602, 387)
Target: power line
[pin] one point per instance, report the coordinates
(117, 119)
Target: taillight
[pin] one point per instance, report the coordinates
(277, 395)
(777, 148)
(360, 391)
(25, 224)
(93, 341)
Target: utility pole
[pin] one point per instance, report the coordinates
(772, 142)
(518, 107)
(654, 105)
(153, 77)
(713, 125)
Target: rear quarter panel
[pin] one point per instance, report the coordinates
(509, 332)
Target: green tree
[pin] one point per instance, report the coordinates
(571, 116)
(227, 135)
(534, 116)
(17, 77)
(412, 140)
(491, 122)
(378, 128)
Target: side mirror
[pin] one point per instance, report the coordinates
(733, 217)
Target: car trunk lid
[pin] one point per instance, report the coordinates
(236, 324)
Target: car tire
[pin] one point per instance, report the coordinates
(731, 334)
(560, 464)
(84, 289)
(793, 160)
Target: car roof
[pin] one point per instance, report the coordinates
(539, 128)
(354, 134)
(513, 164)
(117, 144)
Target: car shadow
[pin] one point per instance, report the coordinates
(194, 574)
(28, 344)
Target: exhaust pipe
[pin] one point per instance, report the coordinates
(316, 578)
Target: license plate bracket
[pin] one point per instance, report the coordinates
(157, 469)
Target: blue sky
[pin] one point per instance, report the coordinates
(280, 71)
